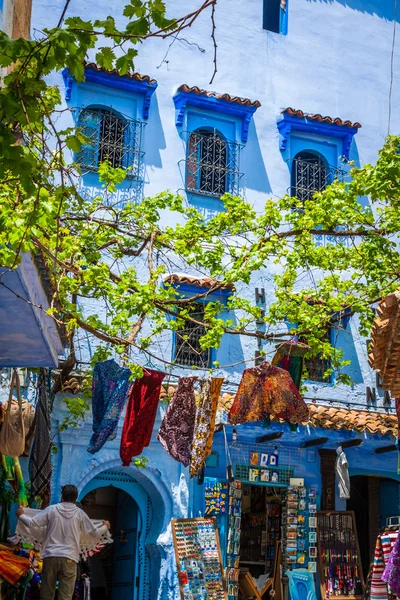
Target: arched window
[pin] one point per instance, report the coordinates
(112, 137)
(209, 170)
(309, 175)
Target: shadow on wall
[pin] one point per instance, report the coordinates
(154, 136)
(252, 164)
(381, 8)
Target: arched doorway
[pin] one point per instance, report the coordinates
(123, 570)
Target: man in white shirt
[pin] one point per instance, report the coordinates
(60, 552)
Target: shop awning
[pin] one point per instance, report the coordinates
(28, 336)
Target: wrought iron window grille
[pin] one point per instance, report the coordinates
(315, 367)
(311, 175)
(187, 351)
(115, 138)
(212, 164)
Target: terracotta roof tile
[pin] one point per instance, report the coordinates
(317, 117)
(205, 282)
(137, 76)
(227, 97)
(385, 343)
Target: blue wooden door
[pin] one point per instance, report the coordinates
(389, 500)
(125, 577)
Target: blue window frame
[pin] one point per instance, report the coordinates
(311, 173)
(112, 137)
(212, 164)
(275, 16)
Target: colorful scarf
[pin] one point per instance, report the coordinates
(177, 427)
(397, 403)
(13, 567)
(40, 459)
(204, 424)
(13, 474)
(266, 390)
(140, 415)
(110, 388)
(290, 356)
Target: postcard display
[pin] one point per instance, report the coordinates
(299, 529)
(339, 555)
(198, 559)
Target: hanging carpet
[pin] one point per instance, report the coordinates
(40, 458)
(140, 415)
(264, 391)
(110, 388)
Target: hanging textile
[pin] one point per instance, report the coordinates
(110, 388)
(177, 427)
(391, 573)
(201, 427)
(35, 535)
(40, 459)
(140, 415)
(28, 416)
(383, 548)
(4, 507)
(342, 472)
(12, 432)
(215, 390)
(397, 403)
(266, 390)
(13, 474)
(13, 567)
(290, 356)
(206, 412)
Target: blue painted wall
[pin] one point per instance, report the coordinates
(334, 60)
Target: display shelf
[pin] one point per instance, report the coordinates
(198, 558)
(339, 557)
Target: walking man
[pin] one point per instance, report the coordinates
(64, 524)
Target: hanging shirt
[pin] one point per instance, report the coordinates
(64, 524)
(342, 472)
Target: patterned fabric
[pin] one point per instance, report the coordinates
(40, 459)
(35, 535)
(397, 402)
(12, 567)
(206, 414)
(202, 426)
(266, 390)
(215, 390)
(391, 573)
(292, 364)
(13, 474)
(177, 427)
(383, 549)
(110, 388)
(140, 415)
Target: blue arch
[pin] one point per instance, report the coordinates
(152, 515)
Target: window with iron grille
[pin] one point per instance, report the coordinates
(212, 166)
(187, 349)
(316, 366)
(113, 138)
(311, 174)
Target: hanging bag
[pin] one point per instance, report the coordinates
(12, 432)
